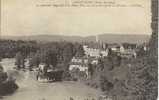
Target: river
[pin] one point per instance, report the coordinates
(30, 89)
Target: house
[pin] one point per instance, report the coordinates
(122, 49)
(129, 46)
(41, 66)
(104, 53)
(116, 47)
(94, 61)
(80, 64)
(76, 60)
(95, 52)
(128, 54)
(80, 67)
(127, 51)
(79, 60)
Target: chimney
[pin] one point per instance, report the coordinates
(97, 38)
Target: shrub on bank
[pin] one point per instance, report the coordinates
(7, 86)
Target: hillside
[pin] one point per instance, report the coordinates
(109, 38)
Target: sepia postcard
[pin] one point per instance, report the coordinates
(78, 49)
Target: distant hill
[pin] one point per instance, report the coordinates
(109, 38)
(124, 38)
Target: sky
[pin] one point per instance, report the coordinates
(23, 17)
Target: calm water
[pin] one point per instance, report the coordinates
(30, 89)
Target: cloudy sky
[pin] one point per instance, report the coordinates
(23, 17)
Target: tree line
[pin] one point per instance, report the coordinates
(50, 53)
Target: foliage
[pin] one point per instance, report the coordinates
(6, 86)
(3, 77)
(79, 50)
(19, 60)
(128, 79)
(51, 53)
(49, 57)
(105, 84)
(34, 59)
(90, 69)
(9, 48)
(68, 52)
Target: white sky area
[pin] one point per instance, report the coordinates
(22, 17)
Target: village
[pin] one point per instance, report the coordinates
(98, 66)
(79, 50)
(92, 55)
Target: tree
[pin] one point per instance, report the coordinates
(7, 86)
(143, 80)
(117, 60)
(34, 59)
(68, 52)
(19, 60)
(109, 63)
(100, 65)
(79, 50)
(53, 57)
(9, 48)
(1, 68)
(49, 57)
(3, 75)
(90, 69)
(105, 84)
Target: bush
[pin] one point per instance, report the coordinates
(66, 76)
(105, 84)
(7, 87)
(3, 77)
